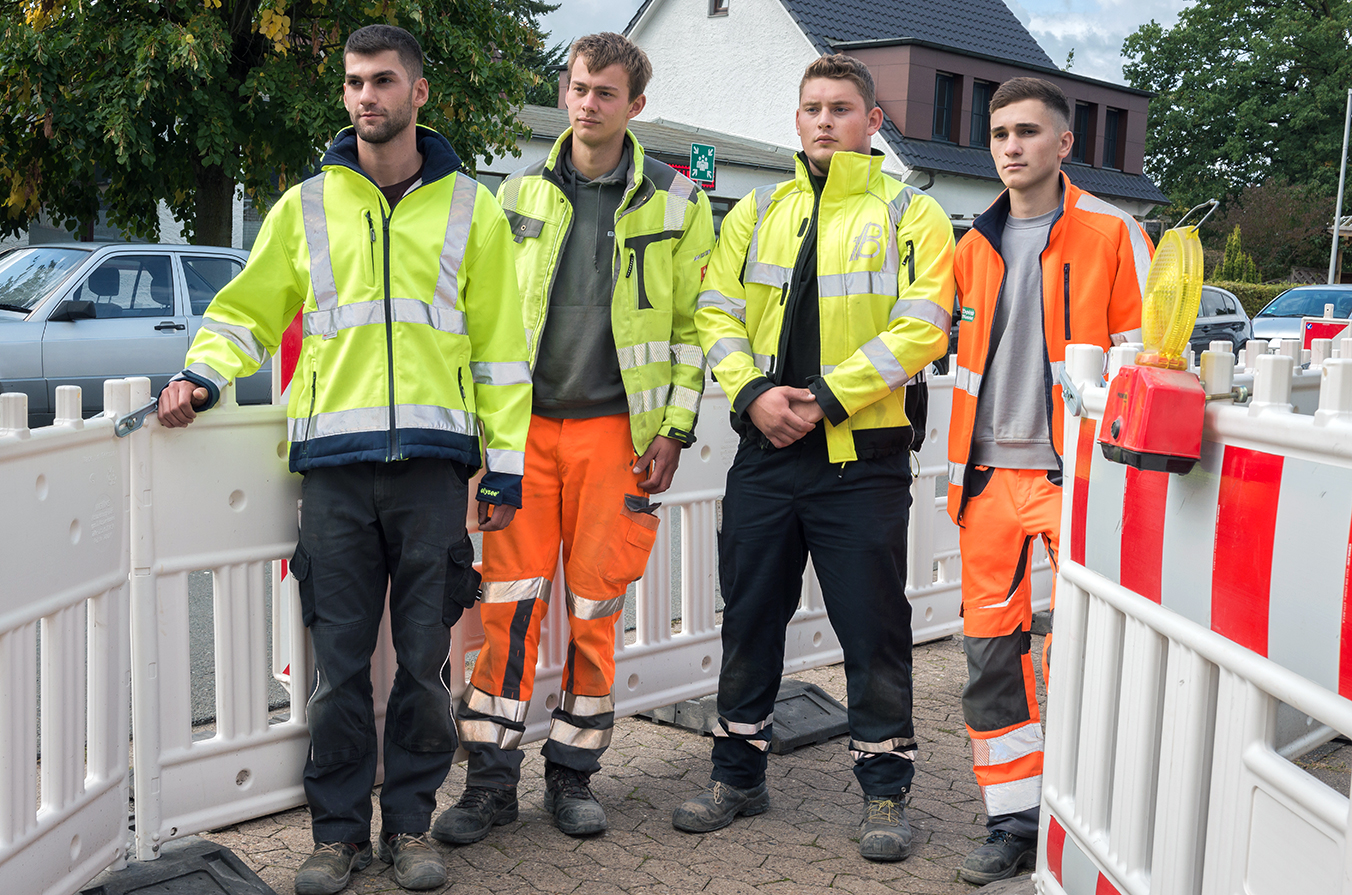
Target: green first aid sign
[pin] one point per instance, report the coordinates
(702, 164)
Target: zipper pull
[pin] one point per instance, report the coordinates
(371, 226)
(460, 377)
(631, 267)
(783, 294)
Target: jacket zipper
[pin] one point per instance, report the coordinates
(783, 299)
(910, 259)
(389, 332)
(310, 420)
(549, 177)
(1065, 276)
(371, 228)
(460, 378)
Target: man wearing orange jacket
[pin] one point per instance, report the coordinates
(1047, 265)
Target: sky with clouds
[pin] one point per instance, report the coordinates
(1095, 29)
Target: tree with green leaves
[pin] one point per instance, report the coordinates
(184, 101)
(1236, 266)
(1246, 91)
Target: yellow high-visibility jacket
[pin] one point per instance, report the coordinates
(412, 334)
(663, 235)
(884, 288)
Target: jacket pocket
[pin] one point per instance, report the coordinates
(523, 226)
(1065, 291)
(299, 568)
(629, 544)
(462, 581)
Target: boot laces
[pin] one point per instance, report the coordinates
(883, 811)
(572, 784)
(475, 797)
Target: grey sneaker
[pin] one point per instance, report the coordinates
(417, 864)
(884, 834)
(479, 810)
(568, 797)
(718, 806)
(1000, 857)
(329, 867)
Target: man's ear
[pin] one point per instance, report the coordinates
(875, 120)
(636, 105)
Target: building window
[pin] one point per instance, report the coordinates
(1084, 134)
(718, 7)
(1114, 132)
(943, 106)
(981, 112)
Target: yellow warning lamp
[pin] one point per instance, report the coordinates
(1153, 418)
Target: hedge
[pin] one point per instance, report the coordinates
(1253, 296)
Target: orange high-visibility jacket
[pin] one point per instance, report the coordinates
(1093, 276)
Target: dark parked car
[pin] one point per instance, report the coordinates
(80, 313)
(1220, 317)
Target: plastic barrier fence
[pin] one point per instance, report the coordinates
(1163, 773)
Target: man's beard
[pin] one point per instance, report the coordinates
(390, 126)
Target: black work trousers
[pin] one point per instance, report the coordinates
(781, 506)
(365, 526)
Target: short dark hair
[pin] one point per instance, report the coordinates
(373, 39)
(608, 48)
(839, 67)
(1019, 89)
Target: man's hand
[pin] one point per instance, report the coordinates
(179, 402)
(773, 413)
(806, 408)
(495, 517)
(664, 454)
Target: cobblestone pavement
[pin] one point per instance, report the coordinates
(806, 842)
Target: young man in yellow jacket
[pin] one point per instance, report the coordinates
(401, 268)
(1046, 266)
(825, 295)
(610, 246)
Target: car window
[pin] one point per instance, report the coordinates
(1227, 303)
(130, 286)
(1309, 303)
(205, 276)
(1211, 303)
(28, 275)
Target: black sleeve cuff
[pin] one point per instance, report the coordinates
(213, 393)
(500, 488)
(749, 393)
(833, 410)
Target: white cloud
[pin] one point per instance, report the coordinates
(575, 18)
(1094, 29)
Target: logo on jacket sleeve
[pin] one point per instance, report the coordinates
(968, 314)
(868, 243)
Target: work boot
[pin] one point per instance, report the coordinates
(999, 858)
(884, 834)
(569, 799)
(329, 867)
(417, 864)
(479, 810)
(718, 806)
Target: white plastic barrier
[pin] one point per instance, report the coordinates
(63, 586)
(1188, 609)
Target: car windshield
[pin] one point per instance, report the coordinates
(27, 275)
(1310, 303)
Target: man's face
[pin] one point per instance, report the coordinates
(380, 98)
(1028, 141)
(599, 107)
(831, 117)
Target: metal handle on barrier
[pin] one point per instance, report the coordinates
(134, 420)
(1070, 394)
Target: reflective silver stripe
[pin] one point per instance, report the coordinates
(1057, 367)
(457, 238)
(896, 209)
(689, 355)
(208, 373)
(578, 737)
(956, 472)
(828, 369)
(726, 347)
(483, 731)
(921, 309)
(370, 419)
(510, 462)
(966, 380)
(509, 191)
(497, 706)
(239, 336)
(895, 744)
(685, 398)
(763, 362)
(767, 274)
(894, 376)
(430, 416)
(631, 356)
(743, 729)
(1021, 741)
(317, 242)
(763, 196)
(1131, 335)
(863, 282)
(1012, 797)
(678, 197)
(329, 322)
(712, 298)
(500, 372)
(587, 706)
(1140, 252)
(646, 402)
(581, 607)
(909, 754)
(516, 591)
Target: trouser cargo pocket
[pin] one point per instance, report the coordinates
(299, 568)
(462, 581)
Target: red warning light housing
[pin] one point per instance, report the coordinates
(1153, 419)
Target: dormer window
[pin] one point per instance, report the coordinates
(718, 7)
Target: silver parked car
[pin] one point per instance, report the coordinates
(1280, 319)
(80, 313)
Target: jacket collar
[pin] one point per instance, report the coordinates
(991, 222)
(851, 173)
(634, 180)
(439, 159)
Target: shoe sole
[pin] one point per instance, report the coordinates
(360, 862)
(1027, 860)
(499, 818)
(758, 805)
(568, 829)
(888, 858)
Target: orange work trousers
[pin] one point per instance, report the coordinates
(580, 491)
(1006, 510)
